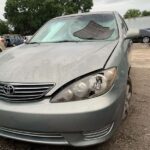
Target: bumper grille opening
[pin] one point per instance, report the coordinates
(24, 92)
(99, 133)
(45, 138)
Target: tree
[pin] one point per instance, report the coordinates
(145, 13)
(75, 6)
(26, 16)
(4, 29)
(132, 13)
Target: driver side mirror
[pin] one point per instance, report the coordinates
(27, 39)
(132, 34)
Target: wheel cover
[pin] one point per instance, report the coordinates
(146, 40)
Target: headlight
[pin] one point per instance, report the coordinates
(88, 87)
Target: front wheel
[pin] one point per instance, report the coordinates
(127, 99)
(146, 40)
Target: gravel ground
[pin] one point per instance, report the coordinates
(134, 133)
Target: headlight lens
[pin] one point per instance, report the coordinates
(87, 87)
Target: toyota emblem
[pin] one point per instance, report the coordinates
(8, 90)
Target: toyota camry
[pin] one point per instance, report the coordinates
(70, 84)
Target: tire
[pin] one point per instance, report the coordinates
(128, 98)
(146, 40)
(8, 43)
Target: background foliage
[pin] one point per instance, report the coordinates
(132, 13)
(3, 27)
(26, 16)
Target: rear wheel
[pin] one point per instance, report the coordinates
(127, 99)
(146, 40)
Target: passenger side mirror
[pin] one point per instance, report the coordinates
(132, 34)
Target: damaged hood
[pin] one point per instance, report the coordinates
(53, 62)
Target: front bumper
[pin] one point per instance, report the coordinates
(79, 123)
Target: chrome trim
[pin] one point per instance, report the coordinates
(45, 138)
(99, 133)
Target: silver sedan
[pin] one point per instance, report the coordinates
(70, 84)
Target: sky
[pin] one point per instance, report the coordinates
(120, 5)
(106, 5)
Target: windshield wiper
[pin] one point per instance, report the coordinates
(65, 41)
(32, 43)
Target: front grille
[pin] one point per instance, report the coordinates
(24, 92)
